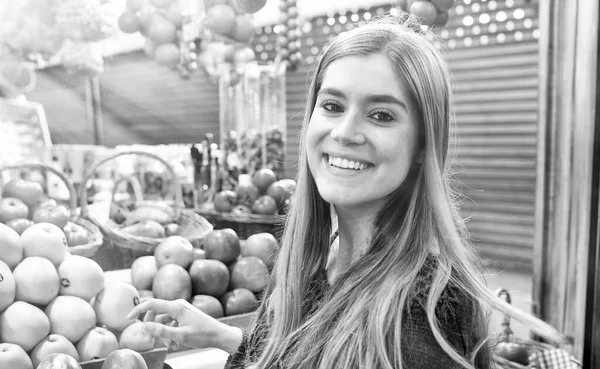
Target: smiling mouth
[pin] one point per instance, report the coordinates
(343, 163)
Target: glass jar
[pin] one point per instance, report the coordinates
(252, 122)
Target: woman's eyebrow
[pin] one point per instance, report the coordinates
(378, 98)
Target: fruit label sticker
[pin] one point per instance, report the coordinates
(65, 282)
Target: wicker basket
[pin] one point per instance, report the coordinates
(192, 226)
(245, 225)
(89, 249)
(507, 335)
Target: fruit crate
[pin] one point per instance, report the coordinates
(245, 225)
(155, 359)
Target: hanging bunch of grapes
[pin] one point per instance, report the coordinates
(288, 41)
(432, 13)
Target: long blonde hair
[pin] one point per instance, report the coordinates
(359, 321)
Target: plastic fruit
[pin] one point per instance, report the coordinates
(53, 344)
(247, 193)
(250, 272)
(199, 254)
(27, 191)
(250, 6)
(161, 31)
(222, 244)
(209, 277)
(36, 281)
(19, 225)
(14, 357)
(220, 19)
(45, 240)
(262, 245)
(76, 234)
(265, 205)
(172, 282)
(174, 250)
(59, 361)
(124, 358)
(11, 246)
(113, 304)
(143, 270)
(97, 343)
(70, 317)
(262, 179)
(173, 14)
(224, 201)
(12, 208)
(135, 338)
(425, 11)
(238, 301)
(57, 215)
(81, 277)
(167, 55)
(23, 324)
(7, 287)
(145, 228)
(209, 305)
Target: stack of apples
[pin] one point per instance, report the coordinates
(263, 194)
(52, 302)
(23, 203)
(226, 277)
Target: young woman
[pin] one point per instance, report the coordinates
(399, 289)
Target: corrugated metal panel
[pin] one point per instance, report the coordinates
(494, 61)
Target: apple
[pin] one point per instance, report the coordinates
(136, 338)
(249, 6)
(57, 215)
(174, 250)
(36, 281)
(35, 175)
(12, 208)
(59, 361)
(224, 201)
(282, 190)
(209, 277)
(246, 193)
(262, 179)
(171, 229)
(28, 192)
(76, 234)
(250, 272)
(145, 228)
(222, 244)
(23, 324)
(143, 270)
(172, 282)
(265, 205)
(70, 317)
(19, 225)
(238, 301)
(97, 343)
(241, 210)
(262, 245)
(209, 305)
(113, 304)
(124, 358)
(513, 352)
(11, 246)
(7, 286)
(53, 344)
(81, 277)
(46, 240)
(14, 357)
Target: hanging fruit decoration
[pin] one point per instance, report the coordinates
(185, 34)
(431, 13)
(288, 40)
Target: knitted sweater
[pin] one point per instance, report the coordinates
(455, 311)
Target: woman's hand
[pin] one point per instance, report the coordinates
(180, 322)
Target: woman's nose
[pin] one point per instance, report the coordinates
(347, 132)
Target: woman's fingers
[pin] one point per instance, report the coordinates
(163, 319)
(168, 332)
(173, 308)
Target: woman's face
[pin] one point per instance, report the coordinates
(362, 137)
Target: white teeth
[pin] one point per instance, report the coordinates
(346, 164)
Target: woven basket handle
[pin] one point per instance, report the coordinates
(138, 193)
(72, 192)
(175, 185)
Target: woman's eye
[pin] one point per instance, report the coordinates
(383, 116)
(332, 107)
